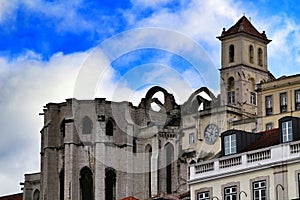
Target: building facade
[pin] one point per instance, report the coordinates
(252, 166)
(98, 149)
(259, 156)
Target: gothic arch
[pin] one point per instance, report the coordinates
(36, 195)
(110, 184)
(195, 100)
(251, 54)
(61, 184)
(86, 184)
(169, 148)
(260, 57)
(87, 125)
(110, 127)
(230, 83)
(231, 53)
(169, 100)
(148, 153)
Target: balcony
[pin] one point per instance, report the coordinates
(248, 161)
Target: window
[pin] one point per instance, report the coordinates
(87, 125)
(269, 105)
(251, 54)
(192, 138)
(36, 195)
(283, 102)
(61, 184)
(253, 98)
(109, 129)
(110, 184)
(86, 184)
(298, 184)
(231, 98)
(169, 169)
(259, 190)
(203, 195)
(230, 144)
(287, 131)
(134, 146)
(231, 53)
(230, 84)
(269, 126)
(260, 57)
(297, 99)
(230, 193)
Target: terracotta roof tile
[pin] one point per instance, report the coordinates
(130, 198)
(267, 139)
(244, 25)
(18, 196)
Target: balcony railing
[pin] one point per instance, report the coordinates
(257, 156)
(251, 160)
(230, 162)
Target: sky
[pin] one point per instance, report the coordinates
(45, 46)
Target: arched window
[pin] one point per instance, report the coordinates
(87, 125)
(148, 151)
(110, 184)
(230, 83)
(230, 91)
(61, 184)
(251, 54)
(36, 195)
(109, 129)
(260, 57)
(169, 159)
(231, 53)
(86, 184)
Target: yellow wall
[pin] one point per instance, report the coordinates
(274, 88)
(244, 181)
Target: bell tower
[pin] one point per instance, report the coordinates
(244, 64)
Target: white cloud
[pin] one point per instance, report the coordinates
(7, 9)
(284, 48)
(26, 85)
(151, 4)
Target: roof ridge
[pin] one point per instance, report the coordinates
(243, 25)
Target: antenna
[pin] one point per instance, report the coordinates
(250, 19)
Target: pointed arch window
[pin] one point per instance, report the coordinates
(260, 57)
(87, 125)
(110, 184)
(109, 129)
(230, 91)
(86, 184)
(148, 151)
(61, 184)
(36, 195)
(231, 53)
(251, 54)
(169, 159)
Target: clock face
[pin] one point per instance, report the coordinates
(211, 133)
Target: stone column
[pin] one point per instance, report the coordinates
(154, 166)
(99, 177)
(71, 186)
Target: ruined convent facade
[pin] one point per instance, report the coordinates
(98, 149)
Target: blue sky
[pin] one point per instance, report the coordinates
(45, 44)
